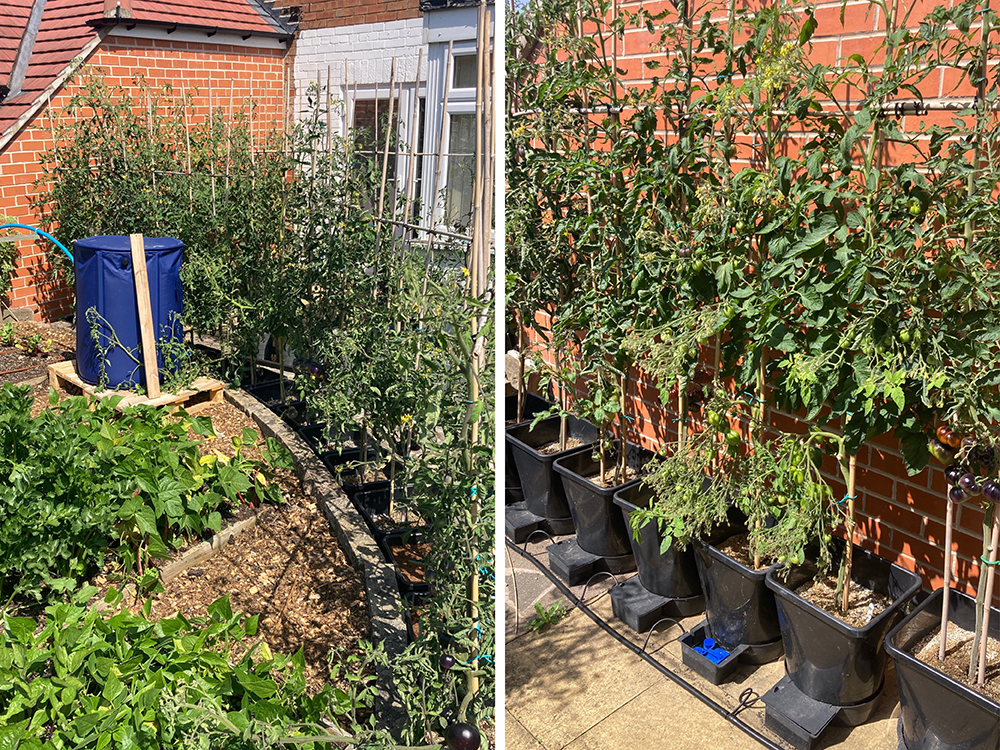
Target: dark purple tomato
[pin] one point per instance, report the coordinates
(953, 473)
(969, 443)
(447, 662)
(991, 491)
(987, 459)
(462, 736)
(957, 495)
(684, 252)
(968, 483)
(444, 637)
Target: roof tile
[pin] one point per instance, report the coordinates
(68, 25)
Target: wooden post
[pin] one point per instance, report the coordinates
(984, 638)
(949, 521)
(145, 315)
(845, 596)
(388, 135)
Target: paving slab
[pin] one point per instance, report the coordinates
(516, 737)
(565, 679)
(664, 716)
(575, 686)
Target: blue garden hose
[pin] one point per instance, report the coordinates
(41, 233)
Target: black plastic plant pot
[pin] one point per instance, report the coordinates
(269, 393)
(298, 415)
(672, 574)
(314, 435)
(532, 405)
(825, 658)
(738, 605)
(715, 671)
(373, 504)
(542, 487)
(936, 712)
(410, 587)
(600, 525)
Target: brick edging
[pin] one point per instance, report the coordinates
(382, 600)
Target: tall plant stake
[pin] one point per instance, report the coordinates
(984, 631)
(949, 521)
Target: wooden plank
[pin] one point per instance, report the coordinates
(145, 316)
(62, 374)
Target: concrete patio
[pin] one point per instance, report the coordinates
(573, 685)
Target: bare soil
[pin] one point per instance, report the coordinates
(958, 648)
(864, 606)
(737, 547)
(549, 448)
(611, 479)
(289, 569)
(410, 558)
(16, 366)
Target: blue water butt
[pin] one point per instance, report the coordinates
(106, 306)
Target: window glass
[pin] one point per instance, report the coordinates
(465, 74)
(461, 166)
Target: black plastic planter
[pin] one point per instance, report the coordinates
(543, 488)
(600, 525)
(672, 574)
(314, 436)
(825, 658)
(415, 591)
(738, 605)
(714, 672)
(936, 711)
(269, 393)
(532, 405)
(348, 477)
(373, 503)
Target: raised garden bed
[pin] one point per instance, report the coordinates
(32, 349)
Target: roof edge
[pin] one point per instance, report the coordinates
(108, 23)
(45, 97)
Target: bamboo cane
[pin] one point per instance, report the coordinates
(229, 137)
(845, 596)
(149, 128)
(187, 144)
(949, 520)
(984, 638)
(388, 136)
(211, 142)
(414, 147)
(472, 682)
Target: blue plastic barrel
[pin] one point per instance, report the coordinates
(106, 306)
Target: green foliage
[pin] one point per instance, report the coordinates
(832, 282)
(84, 480)
(545, 617)
(82, 678)
(8, 257)
(454, 490)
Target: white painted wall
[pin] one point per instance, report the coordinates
(368, 51)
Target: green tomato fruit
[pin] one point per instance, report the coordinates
(905, 336)
(697, 266)
(733, 438)
(914, 207)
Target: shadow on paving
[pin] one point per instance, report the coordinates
(574, 686)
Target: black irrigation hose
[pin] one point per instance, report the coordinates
(725, 713)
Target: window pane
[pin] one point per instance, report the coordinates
(465, 72)
(461, 166)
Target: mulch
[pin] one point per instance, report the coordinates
(289, 568)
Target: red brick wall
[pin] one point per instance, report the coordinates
(246, 73)
(328, 14)
(899, 517)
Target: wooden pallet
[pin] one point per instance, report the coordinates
(64, 375)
